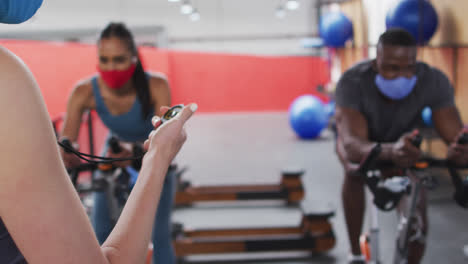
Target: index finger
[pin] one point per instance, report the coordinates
(187, 112)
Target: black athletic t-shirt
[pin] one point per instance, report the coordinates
(9, 253)
(388, 120)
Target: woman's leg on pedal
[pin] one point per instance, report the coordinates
(163, 251)
(100, 213)
(100, 217)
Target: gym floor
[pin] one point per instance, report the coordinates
(253, 148)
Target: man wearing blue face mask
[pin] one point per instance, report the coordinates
(380, 101)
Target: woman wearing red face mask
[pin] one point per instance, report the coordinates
(125, 98)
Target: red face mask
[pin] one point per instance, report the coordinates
(115, 79)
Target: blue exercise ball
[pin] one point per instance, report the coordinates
(426, 115)
(307, 116)
(407, 14)
(335, 29)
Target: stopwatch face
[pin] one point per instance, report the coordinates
(172, 112)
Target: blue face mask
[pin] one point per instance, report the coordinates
(397, 88)
(18, 11)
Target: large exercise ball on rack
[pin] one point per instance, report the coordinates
(307, 116)
(335, 29)
(411, 15)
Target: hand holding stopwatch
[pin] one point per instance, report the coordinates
(115, 147)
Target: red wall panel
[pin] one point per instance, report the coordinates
(220, 83)
(217, 82)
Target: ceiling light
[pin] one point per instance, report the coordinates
(280, 12)
(186, 8)
(195, 16)
(173, 1)
(292, 4)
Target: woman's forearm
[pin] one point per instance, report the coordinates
(129, 240)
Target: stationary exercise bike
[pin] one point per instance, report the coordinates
(115, 182)
(388, 192)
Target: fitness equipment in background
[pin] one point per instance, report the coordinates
(387, 193)
(418, 17)
(335, 29)
(426, 116)
(313, 234)
(115, 182)
(307, 116)
(289, 189)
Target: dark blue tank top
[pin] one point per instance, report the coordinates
(9, 253)
(130, 126)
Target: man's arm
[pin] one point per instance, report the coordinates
(445, 115)
(354, 145)
(448, 123)
(353, 136)
(447, 120)
(352, 127)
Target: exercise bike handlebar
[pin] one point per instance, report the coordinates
(369, 162)
(97, 184)
(114, 147)
(75, 171)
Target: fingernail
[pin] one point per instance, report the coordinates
(155, 119)
(193, 107)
